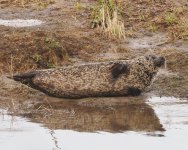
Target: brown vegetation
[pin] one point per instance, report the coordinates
(66, 38)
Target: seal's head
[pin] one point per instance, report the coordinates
(157, 61)
(141, 72)
(139, 68)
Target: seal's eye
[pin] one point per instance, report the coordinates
(158, 61)
(151, 57)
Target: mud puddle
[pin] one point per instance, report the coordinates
(157, 40)
(18, 23)
(148, 41)
(172, 113)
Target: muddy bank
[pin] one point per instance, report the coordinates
(65, 38)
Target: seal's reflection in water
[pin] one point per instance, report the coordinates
(100, 114)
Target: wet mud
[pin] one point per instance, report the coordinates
(65, 38)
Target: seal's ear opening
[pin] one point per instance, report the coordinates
(118, 69)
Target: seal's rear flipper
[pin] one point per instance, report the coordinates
(24, 78)
(118, 69)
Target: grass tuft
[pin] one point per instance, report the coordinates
(170, 19)
(106, 15)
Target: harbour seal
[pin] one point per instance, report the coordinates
(101, 79)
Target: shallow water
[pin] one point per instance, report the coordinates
(20, 133)
(157, 40)
(150, 41)
(20, 22)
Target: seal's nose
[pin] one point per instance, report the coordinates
(159, 61)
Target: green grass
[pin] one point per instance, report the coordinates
(170, 19)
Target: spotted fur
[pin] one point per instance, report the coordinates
(112, 78)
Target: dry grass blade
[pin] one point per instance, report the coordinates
(115, 27)
(107, 17)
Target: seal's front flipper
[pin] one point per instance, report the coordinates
(118, 69)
